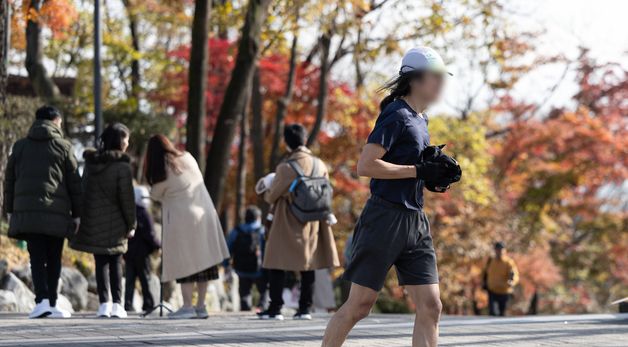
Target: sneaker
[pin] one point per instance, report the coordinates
(41, 310)
(183, 313)
(201, 312)
(302, 315)
(268, 315)
(104, 310)
(59, 313)
(117, 311)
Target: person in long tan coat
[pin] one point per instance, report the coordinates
(193, 241)
(292, 245)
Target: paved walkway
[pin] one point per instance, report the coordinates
(238, 330)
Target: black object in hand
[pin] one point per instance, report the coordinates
(430, 171)
(448, 172)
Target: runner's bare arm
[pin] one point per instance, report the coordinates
(371, 165)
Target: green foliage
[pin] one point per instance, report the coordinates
(466, 141)
(586, 252)
(15, 120)
(85, 267)
(11, 252)
(143, 125)
(20, 113)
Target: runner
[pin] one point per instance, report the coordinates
(393, 230)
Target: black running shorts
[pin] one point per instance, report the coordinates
(388, 234)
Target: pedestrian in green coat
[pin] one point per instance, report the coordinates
(42, 198)
(108, 215)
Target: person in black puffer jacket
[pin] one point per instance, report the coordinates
(42, 198)
(108, 214)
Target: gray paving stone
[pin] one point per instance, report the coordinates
(240, 330)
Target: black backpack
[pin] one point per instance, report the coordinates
(311, 195)
(247, 251)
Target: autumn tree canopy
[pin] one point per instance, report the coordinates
(550, 182)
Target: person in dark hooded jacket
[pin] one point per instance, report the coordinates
(42, 192)
(137, 258)
(108, 215)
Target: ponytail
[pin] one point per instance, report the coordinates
(387, 100)
(398, 87)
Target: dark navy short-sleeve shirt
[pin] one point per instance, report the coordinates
(403, 133)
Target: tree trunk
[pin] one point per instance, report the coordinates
(282, 104)
(233, 103)
(242, 158)
(5, 19)
(5, 129)
(258, 130)
(42, 83)
(141, 162)
(357, 62)
(224, 221)
(135, 43)
(197, 81)
(321, 107)
(257, 127)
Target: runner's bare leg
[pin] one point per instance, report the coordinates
(358, 306)
(428, 308)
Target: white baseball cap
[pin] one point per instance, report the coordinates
(422, 59)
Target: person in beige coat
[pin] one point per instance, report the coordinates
(193, 241)
(292, 245)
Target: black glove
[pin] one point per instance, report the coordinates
(430, 171)
(437, 187)
(450, 172)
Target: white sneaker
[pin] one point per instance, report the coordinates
(302, 316)
(118, 311)
(59, 313)
(41, 310)
(104, 310)
(183, 313)
(267, 315)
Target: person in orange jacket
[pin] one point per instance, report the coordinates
(500, 278)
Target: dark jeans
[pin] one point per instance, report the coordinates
(45, 253)
(276, 282)
(138, 268)
(109, 277)
(497, 303)
(244, 289)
